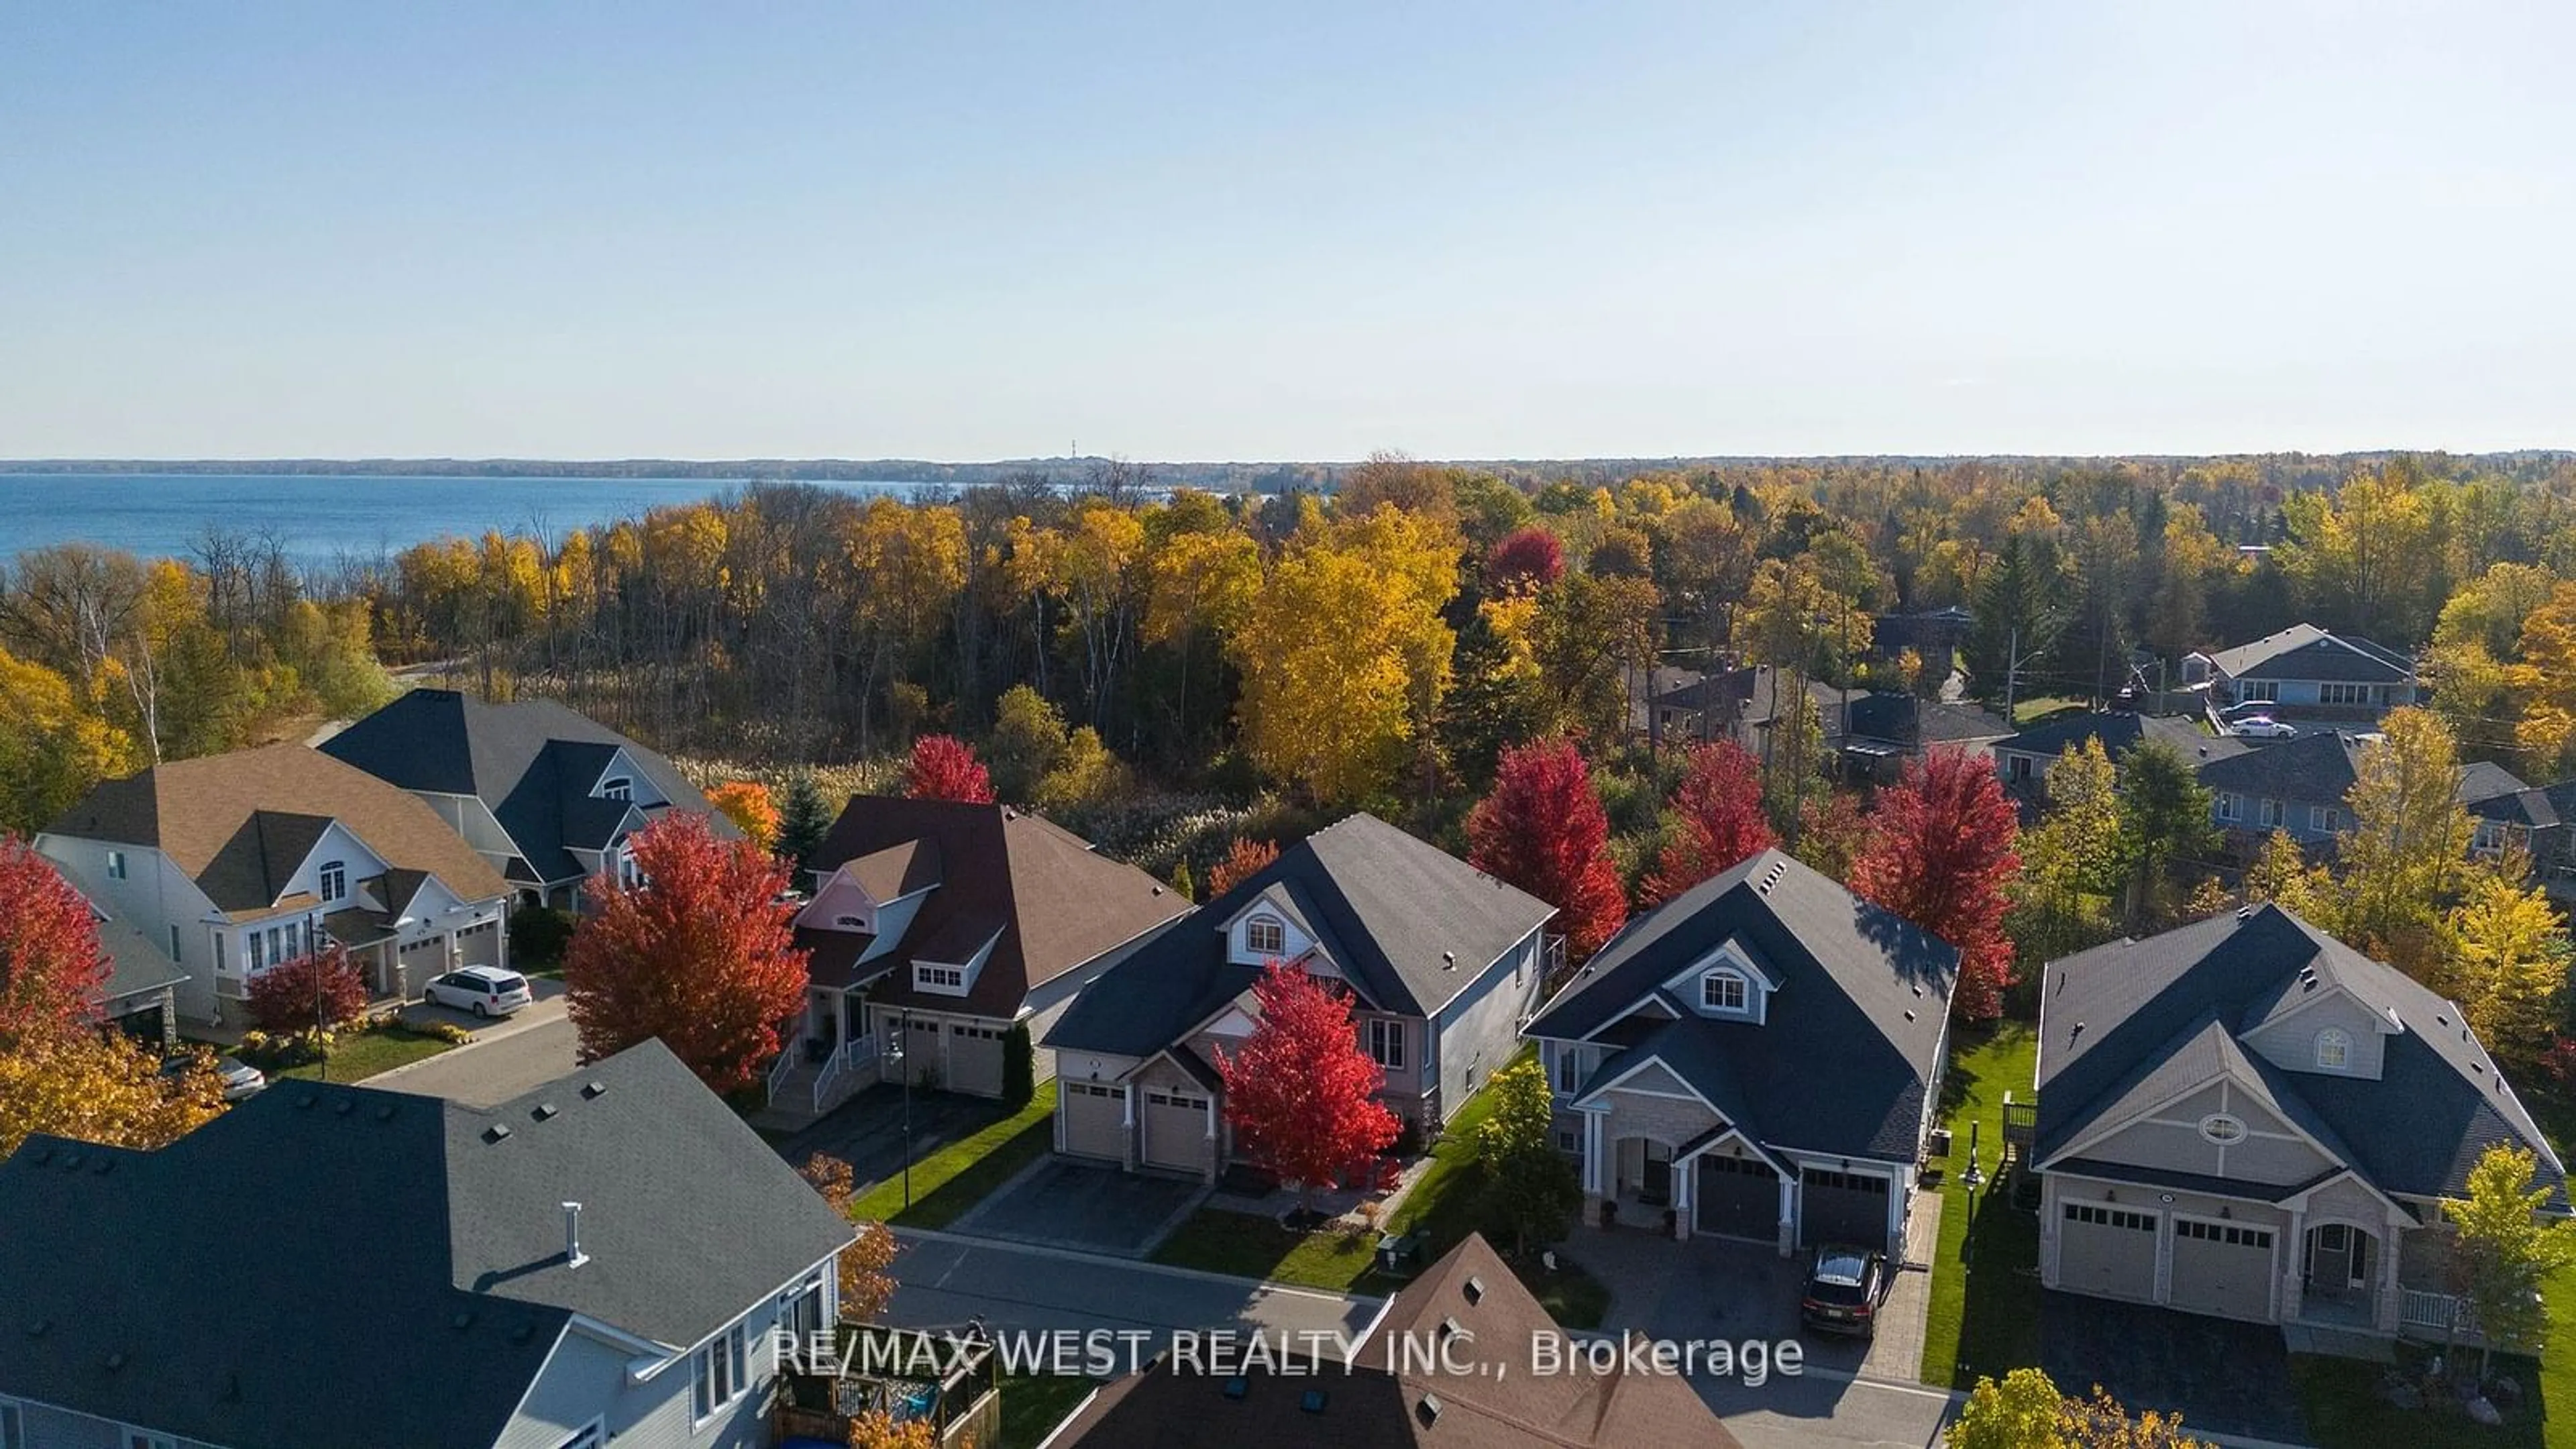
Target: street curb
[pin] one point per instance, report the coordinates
(483, 1038)
(1106, 1260)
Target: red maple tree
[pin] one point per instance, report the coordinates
(944, 767)
(291, 994)
(1243, 860)
(1301, 1095)
(1941, 854)
(1525, 561)
(1718, 821)
(1544, 831)
(51, 965)
(701, 955)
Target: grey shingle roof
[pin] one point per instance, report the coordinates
(1388, 907)
(2119, 733)
(329, 1265)
(2112, 1016)
(1852, 1039)
(2304, 651)
(532, 761)
(2318, 767)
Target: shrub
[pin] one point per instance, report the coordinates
(539, 934)
(287, 996)
(1019, 1068)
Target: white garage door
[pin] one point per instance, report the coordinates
(1094, 1120)
(975, 1059)
(1176, 1131)
(920, 1050)
(480, 945)
(422, 960)
(2106, 1250)
(2222, 1268)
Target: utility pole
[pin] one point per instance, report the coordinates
(2012, 670)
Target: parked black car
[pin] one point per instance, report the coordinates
(1844, 1287)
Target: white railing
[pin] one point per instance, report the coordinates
(849, 1057)
(785, 1064)
(2440, 1312)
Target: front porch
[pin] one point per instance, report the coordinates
(829, 1057)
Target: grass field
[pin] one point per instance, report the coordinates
(1984, 1313)
(956, 1177)
(1033, 1404)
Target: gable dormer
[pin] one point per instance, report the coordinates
(621, 779)
(2323, 1028)
(1728, 984)
(1269, 929)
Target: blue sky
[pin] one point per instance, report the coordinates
(1207, 231)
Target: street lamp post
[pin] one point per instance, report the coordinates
(901, 1055)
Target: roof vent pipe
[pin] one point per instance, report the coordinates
(574, 1257)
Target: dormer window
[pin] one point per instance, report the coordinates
(1265, 936)
(334, 881)
(1723, 991)
(850, 923)
(617, 787)
(2334, 1049)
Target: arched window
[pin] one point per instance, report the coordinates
(1264, 935)
(2334, 1049)
(1722, 991)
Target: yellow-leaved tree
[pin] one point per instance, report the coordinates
(2509, 964)
(101, 1088)
(2407, 851)
(52, 746)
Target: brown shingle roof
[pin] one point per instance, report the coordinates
(897, 870)
(239, 824)
(1057, 903)
(1373, 1408)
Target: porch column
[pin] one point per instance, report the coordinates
(1592, 1170)
(1127, 1121)
(1685, 1197)
(2391, 1299)
(2294, 1277)
(1898, 1205)
(1788, 1214)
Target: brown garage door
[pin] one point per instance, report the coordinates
(1176, 1130)
(1095, 1120)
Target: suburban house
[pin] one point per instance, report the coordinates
(2300, 786)
(1935, 635)
(1644, 687)
(1740, 705)
(2025, 759)
(1881, 730)
(547, 796)
(237, 863)
(1759, 1057)
(2554, 855)
(942, 925)
(1449, 1363)
(2309, 673)
(1442, 962)
(600, 1260)
(2247, 1118)
(141, 994)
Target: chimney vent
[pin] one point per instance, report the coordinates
(574, 1257)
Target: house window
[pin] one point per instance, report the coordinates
(2271, 813)
(1569, 1140)
(2490, 836)
(586, 1437)
(629, 873)
(1386, 1042)
(2266, 691)
(1722, 991)
(334, 881)
(2231, 806)
(2325, 819)
(2020, 767)
(116, 865)
(1265, 936)
(617, 787)
(946, 980)
(802, 1310)
(717, 1373)
(2222, 1129)
(2334, 1049)
(2343, 693)
(174, 943)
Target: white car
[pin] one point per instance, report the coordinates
(482, 990)
(2262, 727)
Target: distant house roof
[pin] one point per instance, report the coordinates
(2121, 1022)
(1908, 720)
(1055, 903)
(1938, 628)
(240, 824)
(417, 1283)
(1408, 923)
(2304, 651)
(2120, 732)
(1491, 1400)
(532, 762)
(2320, 767)
(1859, 988)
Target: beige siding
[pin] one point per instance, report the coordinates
(2170, 1139)
(2291, 1043)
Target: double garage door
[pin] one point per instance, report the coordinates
(1175, 1130)
(1095, 1120)
(2219, 1268)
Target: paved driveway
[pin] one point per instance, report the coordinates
(1086, 1207)
(502, 1062)
(942, 1280)
(867, 1130)
(2225, 1377)
(548, 1006)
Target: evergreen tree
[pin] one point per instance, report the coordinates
(802, 820)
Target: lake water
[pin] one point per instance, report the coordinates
(324, 518)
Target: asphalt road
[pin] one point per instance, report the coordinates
(505, 1062)
(1827, 1407)
(943, 1280)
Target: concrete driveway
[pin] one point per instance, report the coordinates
(502, 1061)
(1086, 1207)
(867, 1131)
(548, 1006)
(2224, 1377)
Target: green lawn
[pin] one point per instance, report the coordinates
(2030, 711)
(1246, 1246)
(1033, 1404)
(963, 1173)
(357, 1056)
(1984, 1315)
